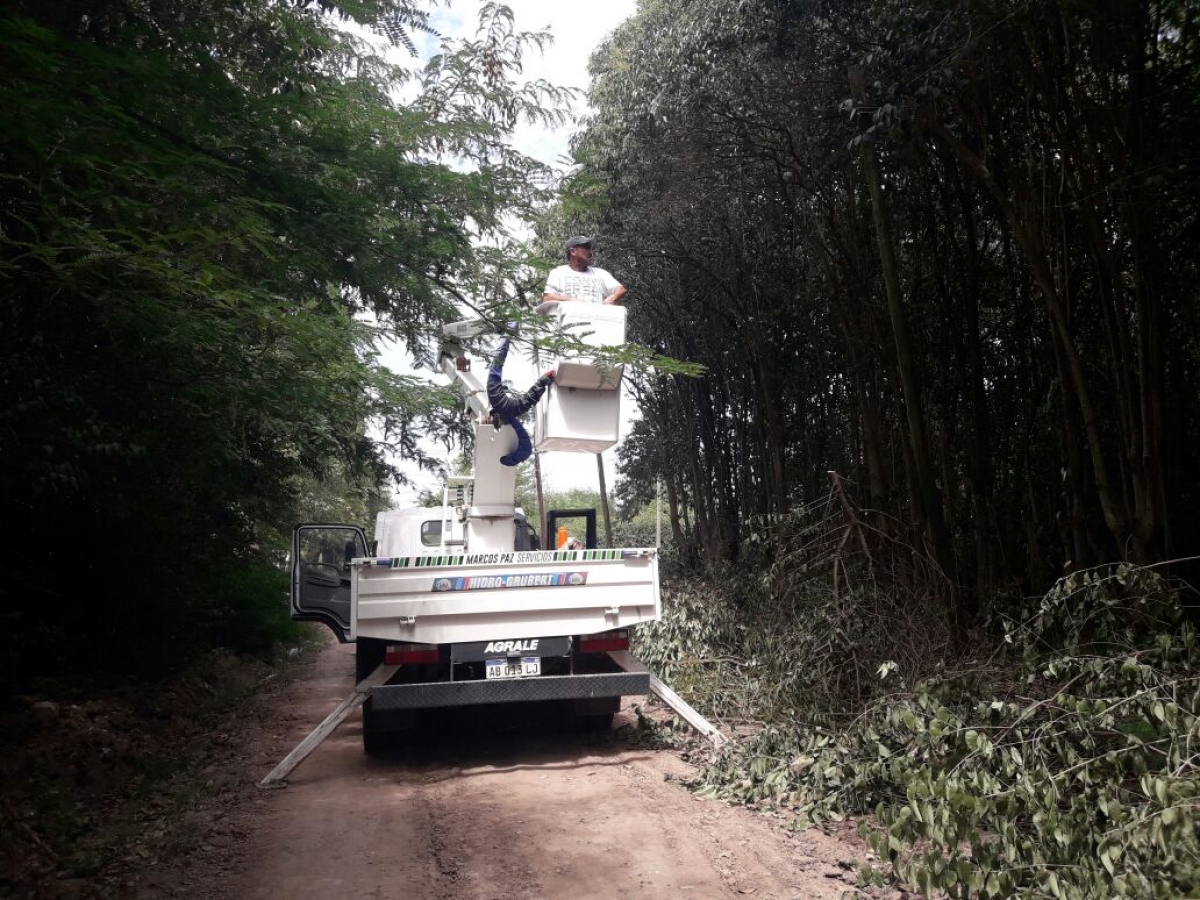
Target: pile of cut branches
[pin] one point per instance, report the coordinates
(848, 592)
(1066, 768)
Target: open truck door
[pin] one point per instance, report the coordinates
(321, 583)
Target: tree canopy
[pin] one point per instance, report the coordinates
(210, 211)
(943, 249)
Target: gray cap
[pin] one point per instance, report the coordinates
(578, 241)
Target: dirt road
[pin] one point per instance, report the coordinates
(491, 807)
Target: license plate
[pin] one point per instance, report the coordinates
(504, 668)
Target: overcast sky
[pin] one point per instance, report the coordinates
(577, 30)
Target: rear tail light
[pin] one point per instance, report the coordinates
(411, 654)
(618, 639)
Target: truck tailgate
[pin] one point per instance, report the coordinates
(494, 596)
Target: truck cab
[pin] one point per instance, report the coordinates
(430, 531)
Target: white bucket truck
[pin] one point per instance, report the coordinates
(462, 598)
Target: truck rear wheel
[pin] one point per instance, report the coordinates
(368, 656)
(595, 724)
(594, 714)
(387, 730)
(381, 730)
(374, 740)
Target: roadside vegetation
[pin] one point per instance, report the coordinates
(1059, 760)
(211, 212)
(932, 501)
(101, 774)
(1053, 754)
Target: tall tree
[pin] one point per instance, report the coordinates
(203, 204)
(1032, 171)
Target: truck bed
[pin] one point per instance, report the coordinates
(497, 596)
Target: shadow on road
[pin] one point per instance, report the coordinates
(530, 735)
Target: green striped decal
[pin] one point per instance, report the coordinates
(424, 562)
(427, 561)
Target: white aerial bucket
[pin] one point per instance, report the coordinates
(582, 410)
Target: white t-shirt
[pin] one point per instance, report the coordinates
(591, 286)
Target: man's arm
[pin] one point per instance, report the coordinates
(616, 295)
(560, 298)
(613, 289)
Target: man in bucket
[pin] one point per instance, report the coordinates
(579, 280)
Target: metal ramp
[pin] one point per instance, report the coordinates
(317, 736)
(685, 711)
(623, 658)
